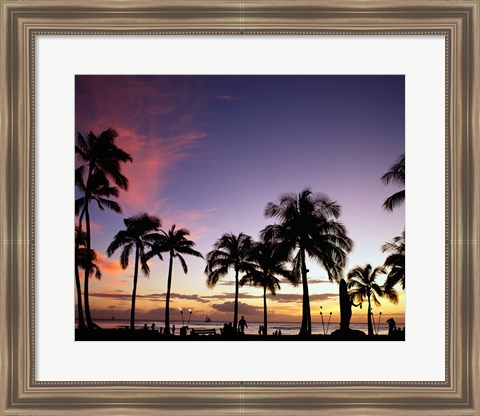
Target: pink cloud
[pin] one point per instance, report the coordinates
(109, 265)
(154, 117)
(153, 158)
(189, 219)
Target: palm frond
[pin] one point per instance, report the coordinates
(108, 203)
(396, 173)
(124, 256)
(183, 263)
(394, 200)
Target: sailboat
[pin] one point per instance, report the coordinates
(207, 319)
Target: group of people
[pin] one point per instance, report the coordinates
(228, 329)
(393, 331)
(145, 328)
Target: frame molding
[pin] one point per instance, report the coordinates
(22, 20)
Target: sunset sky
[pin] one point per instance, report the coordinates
(209, 152)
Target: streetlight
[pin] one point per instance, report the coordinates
(330, 317)
(378, 323)
(189, 316)
(183, 322)
(323, 323)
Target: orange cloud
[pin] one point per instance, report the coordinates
(109, 265)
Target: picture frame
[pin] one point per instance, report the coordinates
(22, 21)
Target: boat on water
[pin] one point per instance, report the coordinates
(207, 319)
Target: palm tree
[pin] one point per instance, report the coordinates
(98, 190)
(395, 261)
(80, 240)
(140, 233)
(396, 175)
(269, 258)
(229, 251)
(81, 259)
(175, 243)
(308, 222)
(99, 154)
(362, 285)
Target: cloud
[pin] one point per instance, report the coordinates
(314, 281)
(232, 296)
(153, 159)
(298, 298)
(110, 266)
(243, 308)
(122, 296)
(311, 281)
(226, 283)
(189, 219)
(155, 119)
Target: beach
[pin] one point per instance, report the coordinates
(119, 330)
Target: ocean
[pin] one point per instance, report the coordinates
(287, 328)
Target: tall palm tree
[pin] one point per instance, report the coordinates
(362, 285)
(269, 258)
(98, 154)
(140, 233)
(396, 175)
(395, 262)
(97, 190)
(308, 222)
(229, 251)
(176, 243)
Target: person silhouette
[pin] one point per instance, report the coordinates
(391, 326)
(242, 324)
(173, 329)
(153, 326)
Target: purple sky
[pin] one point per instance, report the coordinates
(210, 151)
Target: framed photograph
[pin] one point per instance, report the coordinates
(213, 207)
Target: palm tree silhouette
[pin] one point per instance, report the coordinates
(80, 240)
(269, 258)
(396, 175)
(97, 189)
(99, 154)
(395, 262)
(82, 257)
(175, 243)
(140, 233)
(92, 257)
(229, 251)
(362, 285)
(308, 223)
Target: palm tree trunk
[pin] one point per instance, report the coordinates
(306, 328)
(81, 321)
(87, 270)
(167, 302)
(265, 330)
(134, 293)
(235, 313)
(370, 326)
